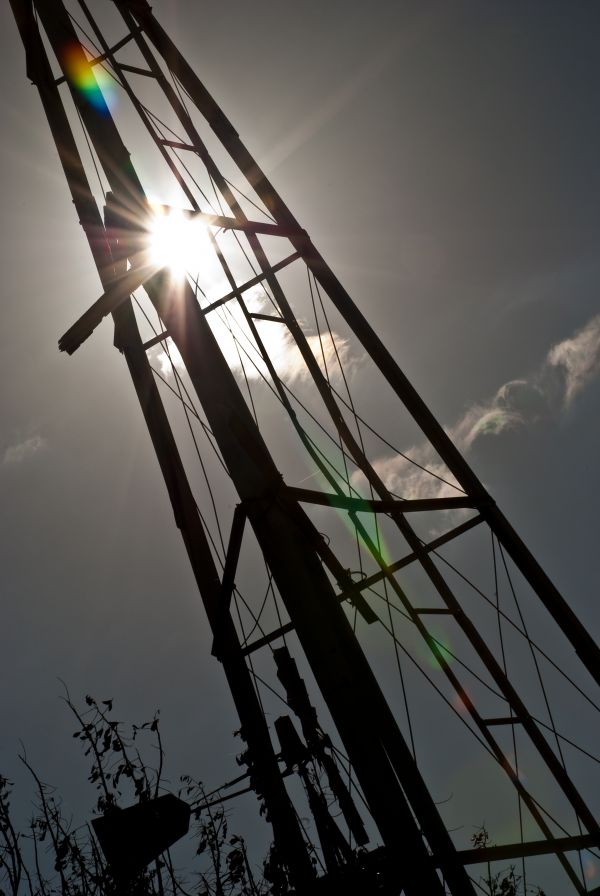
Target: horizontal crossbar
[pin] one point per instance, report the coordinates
(104, 56)
(160, 337)
(108, 302)
(433, 611)
(502, 720)
(227, 223)
(524, 850)
(254, 281)
(176, 144)
(269, 317)
(357, 587)
(358, 505)
(136, 71)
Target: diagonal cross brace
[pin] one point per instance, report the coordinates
(228, 580)
(108, 302)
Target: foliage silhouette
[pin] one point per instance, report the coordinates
(53, 858)
(503, 883)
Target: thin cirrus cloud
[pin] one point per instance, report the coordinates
(578, 358)
(331, 351)
(23, 451)
(568, 368)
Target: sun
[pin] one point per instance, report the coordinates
(177, 242)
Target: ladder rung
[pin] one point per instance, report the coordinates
(356, 504)
(502, 720)
(433, 611)
(360, 604)
(267, 639)
(155, 340)
(275, 320)
(250, 283)
(533, 848)
(175, 144)
(107, 55)
(135, 70)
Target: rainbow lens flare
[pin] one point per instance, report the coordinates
(95, 84)
(444, 647)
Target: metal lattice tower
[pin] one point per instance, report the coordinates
(358, 554)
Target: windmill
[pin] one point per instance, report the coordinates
(371, 547)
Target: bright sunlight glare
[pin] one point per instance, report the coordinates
(178, 242)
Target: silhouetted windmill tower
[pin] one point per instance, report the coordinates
(340, 560)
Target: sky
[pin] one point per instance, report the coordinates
(443, 157)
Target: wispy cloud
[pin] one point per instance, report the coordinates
(578, 359)
(167, 360)
(22, 451)
(567, 369)
(331, 351)
(289, 363)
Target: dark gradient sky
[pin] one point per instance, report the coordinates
(444, 158)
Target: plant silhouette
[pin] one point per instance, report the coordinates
(54, 858)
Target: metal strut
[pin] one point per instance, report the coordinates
(301, 563)
(580, 638)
